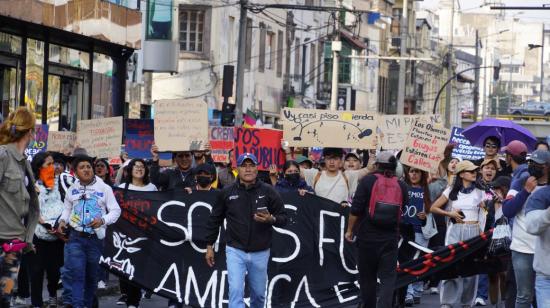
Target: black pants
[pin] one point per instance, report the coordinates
(511, 288)
(133, 293)
(377, 259)
(48, 258)
(23, 288)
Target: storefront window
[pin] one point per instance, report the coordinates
(10, 43)
(69, 56)
(159, 20)
(101, 84)
(34, 77)
(54, 92)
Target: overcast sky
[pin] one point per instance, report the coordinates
(528, 15)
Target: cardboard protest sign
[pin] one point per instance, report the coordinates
(393, 129)
(326, 128)
(100, 137)
(61, 141)
(464, 149)
(139, 137)
(222, 140)
(265, 144)
(40, 141)
(425, 145)
(181, 125)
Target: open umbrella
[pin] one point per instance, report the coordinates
(505, 130)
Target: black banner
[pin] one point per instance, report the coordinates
(158, 243)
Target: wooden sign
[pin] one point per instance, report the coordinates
(425, 145)
(62, 142)
(394, 129)
(181, 125)
(100, 137)
(265, 144)
(326, 128)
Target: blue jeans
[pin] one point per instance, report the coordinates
(543, 291)
(483, 287)
(66, 279)
(83, 262)
(241, 263)
(416, 289)
(525, 278)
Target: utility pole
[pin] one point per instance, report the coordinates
(476, 74)
(510, 83)
(542, 65)
(450, 57)
(402, 64)
(241, 59)
(336, 48)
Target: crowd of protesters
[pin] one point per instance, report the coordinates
(54, 212)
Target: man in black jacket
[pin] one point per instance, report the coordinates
(180, 176)
(377, 241)
(251, 208)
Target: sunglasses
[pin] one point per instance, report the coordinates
(491, 146)
(183, 155)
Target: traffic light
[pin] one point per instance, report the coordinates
(228, 114)
(496, 72)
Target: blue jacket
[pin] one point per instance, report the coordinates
(517, 195)
(283, 186)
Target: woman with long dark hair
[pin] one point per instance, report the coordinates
(19, 209)
(103, 171)
(466, 220)
(414, 215)
(48, 248)
(291, 179)
(137, 178)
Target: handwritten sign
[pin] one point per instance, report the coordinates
(61, 142)
(222, 140)
(139, 137)
(464, 149)
(265, 144)
(393, 129)
(40, 141)
(325, 128)
(181, 125)
(100, 137)
(425, 145)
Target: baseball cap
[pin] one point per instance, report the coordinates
(354, 154)
(301, 159)
(488, 161)
(245, 156)
(465, 165)
(515, 148)
(385, 157)
(206, 168)
(540, 157)
(501, 181)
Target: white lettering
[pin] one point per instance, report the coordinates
(341, 248)
(294, 237)
(210, 288)
(222, 300)
(173, 268)
(272, 286)
(172, 224)
(303, 283)
(322, 238)
(190, 223)
(339, 292)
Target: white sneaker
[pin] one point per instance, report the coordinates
(101, 285)
(480, 302)
(20, 301)
(434, 290)
(132, 306)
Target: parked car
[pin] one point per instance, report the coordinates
(531, 109)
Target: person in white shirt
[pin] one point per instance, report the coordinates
(90, 206)
(332, 183)
(467, 221)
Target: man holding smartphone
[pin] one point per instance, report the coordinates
(251, 208)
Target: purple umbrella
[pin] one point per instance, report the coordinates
(505, 130)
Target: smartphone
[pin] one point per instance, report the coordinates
(461, 214)
(262, 209)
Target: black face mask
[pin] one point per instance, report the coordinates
(293, 178)
(203, 181)
(535, 171)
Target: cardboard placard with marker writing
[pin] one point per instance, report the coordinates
(393, 129)
(425, 146)
(100, 137)
(326, 128)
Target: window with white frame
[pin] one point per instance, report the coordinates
(191, 29)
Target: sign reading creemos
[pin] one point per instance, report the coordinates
(222, 141)
(181, 125)
(425, 146)
(325, 128)
(100, 137)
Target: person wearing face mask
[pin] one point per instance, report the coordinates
(19, 209)
(48, 254)
(523, 243)
(292, 180)
(205, 175)
(137, 178)
(181, 176)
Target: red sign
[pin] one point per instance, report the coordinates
(222, 140)
(265, 144)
